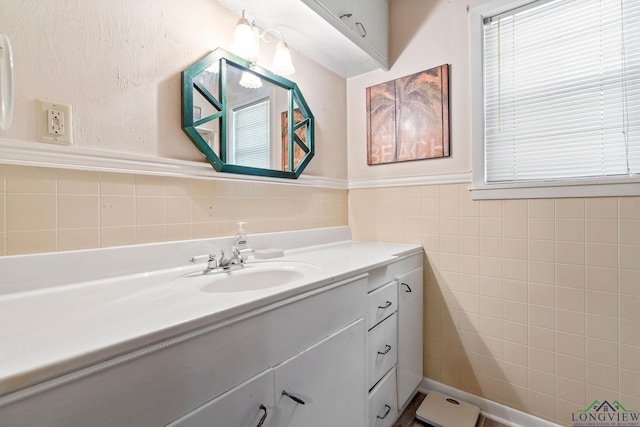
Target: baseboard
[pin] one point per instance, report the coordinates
(494, 411)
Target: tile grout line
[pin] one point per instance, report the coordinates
(555, 304)
(619, 265)
(586, 333)
(528, 320)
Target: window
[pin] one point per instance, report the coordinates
(251, 135)
(561, 93)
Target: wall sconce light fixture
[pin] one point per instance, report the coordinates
(282, 64)
(244, 40)
(246, 44)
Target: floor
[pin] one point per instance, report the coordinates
(408, 419)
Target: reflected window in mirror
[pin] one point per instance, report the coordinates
(251, 135)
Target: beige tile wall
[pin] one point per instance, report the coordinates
(46, 209)
(531, 303)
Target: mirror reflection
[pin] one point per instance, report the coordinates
(237, 114)
(253, 116)
(209, 131)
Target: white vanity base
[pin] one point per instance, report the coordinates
(290, 355)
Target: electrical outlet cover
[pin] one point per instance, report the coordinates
(54, 122)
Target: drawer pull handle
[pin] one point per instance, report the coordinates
(385, 306)
(387, 409)
(363, 33)
(292, 397)
(408, 287)
(387, 349)
(264, 417)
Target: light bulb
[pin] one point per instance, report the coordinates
(282, 64)
(250, 81)
(244, 42)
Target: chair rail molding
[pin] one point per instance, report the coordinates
(27, 153)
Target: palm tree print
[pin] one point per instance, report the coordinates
(381, 116)
(408, 118)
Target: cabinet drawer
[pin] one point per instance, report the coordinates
(381, 303)
(381, 350)
(380, 276)
(383, 406)
(410, 263)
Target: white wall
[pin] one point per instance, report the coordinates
(424, 34)
(118, 64)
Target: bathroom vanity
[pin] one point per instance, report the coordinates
(328, 335)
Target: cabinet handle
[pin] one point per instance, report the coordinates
(387, 305)
(387, 349)
(386, 412)
(408, 287)
(346, 15)
(364, 30)
(292, 397)
(264, 417)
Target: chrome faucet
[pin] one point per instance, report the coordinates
(224, 264)
(236, 261)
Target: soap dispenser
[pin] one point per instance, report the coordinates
(240, 240)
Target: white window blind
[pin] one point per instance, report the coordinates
(562, 91)
(251, 135)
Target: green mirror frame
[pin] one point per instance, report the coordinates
(189, 123)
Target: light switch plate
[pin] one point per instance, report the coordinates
(54, 122)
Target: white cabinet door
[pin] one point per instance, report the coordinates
(371, 22)
(409, 334)
(248, 405)
(339, 8)
(325, 384)
(365, 22)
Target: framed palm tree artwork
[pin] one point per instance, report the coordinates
(408, 118)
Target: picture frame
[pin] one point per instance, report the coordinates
(408, 118)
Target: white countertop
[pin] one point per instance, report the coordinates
(49, 331)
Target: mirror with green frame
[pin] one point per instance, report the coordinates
(237, 114)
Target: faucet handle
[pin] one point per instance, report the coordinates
(237, 257)
(212, 263)
(199, 258)
(223, 262)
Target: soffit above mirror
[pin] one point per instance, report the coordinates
(313, 28)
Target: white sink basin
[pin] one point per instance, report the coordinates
(254, 276)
